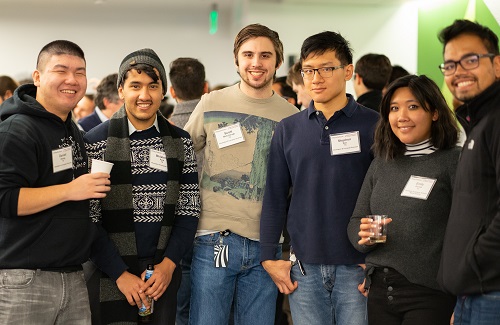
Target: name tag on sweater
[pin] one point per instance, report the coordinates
(62, 159)
(229, 135)
(418, 187)
(158, 160)
(344, 143)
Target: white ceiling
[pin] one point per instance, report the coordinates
(187, 3)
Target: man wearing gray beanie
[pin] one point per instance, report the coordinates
(144, 56)
(151, 213)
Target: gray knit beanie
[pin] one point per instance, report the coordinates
(144, 56)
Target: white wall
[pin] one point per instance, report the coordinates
(108, 33)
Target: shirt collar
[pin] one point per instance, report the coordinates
(348, 109)
(101, 115)
(132, 129)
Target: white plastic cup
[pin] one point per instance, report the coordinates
(100, 166)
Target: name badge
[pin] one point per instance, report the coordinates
(418, 187)
(158, 160)
(229, 135)
(62, 159)
(344, 143)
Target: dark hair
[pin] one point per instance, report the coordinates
(187, 76)
(444, 131)
(107, 89)
(327, 41)
(7, 83)
(463, 26)
(166, 109)
(294, 75)
(258, 30)
(286, 90)
(397, 72)
(140, 67)
(375, 69)
(59, 47)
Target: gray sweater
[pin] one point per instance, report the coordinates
(415, 235)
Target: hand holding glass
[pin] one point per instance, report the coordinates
(378, 228)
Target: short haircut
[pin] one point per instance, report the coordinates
(187, 76)
(107, 89)
(463, 26)
(294, 76)
(327, 41)
(7, 83)
(444, 131)
(254, 31)
(375, 69)
(58, 47)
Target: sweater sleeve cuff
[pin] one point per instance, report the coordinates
(181, 238)
(268, 252)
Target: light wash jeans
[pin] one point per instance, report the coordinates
(478, 309)
(328, 295)
(212, 289)
(30, 297)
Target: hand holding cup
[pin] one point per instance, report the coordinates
(373, 229)
(100, 166)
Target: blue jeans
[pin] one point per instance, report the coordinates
(42, 297)
(478, 309)
(212, 289)
(328, 295)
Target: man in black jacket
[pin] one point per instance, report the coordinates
(470, 266)
(45, 229)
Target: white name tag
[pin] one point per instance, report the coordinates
(229, 135)
(158, 160)
(344, 143)
(62, 159)
(418, 187)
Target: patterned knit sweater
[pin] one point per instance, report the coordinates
(164, 207)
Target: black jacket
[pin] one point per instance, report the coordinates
(57, 237)
(371, 99)
(470, 261)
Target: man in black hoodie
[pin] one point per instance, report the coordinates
(470, 265)
(45, 229)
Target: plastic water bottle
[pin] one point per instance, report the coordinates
(146, 314)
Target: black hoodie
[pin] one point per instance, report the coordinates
(57, 237)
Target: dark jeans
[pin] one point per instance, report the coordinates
(393, 299)
(184, 293)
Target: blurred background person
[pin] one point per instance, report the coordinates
(187, 76)
(7, 87)
(371, 74)
(285, 90)
(294, 79)
(107, 102)
(397, 72)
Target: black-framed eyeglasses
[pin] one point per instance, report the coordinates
(325, 72)
(468, 62)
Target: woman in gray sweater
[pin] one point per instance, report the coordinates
(410, 180)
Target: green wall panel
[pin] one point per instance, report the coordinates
(432, 20)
